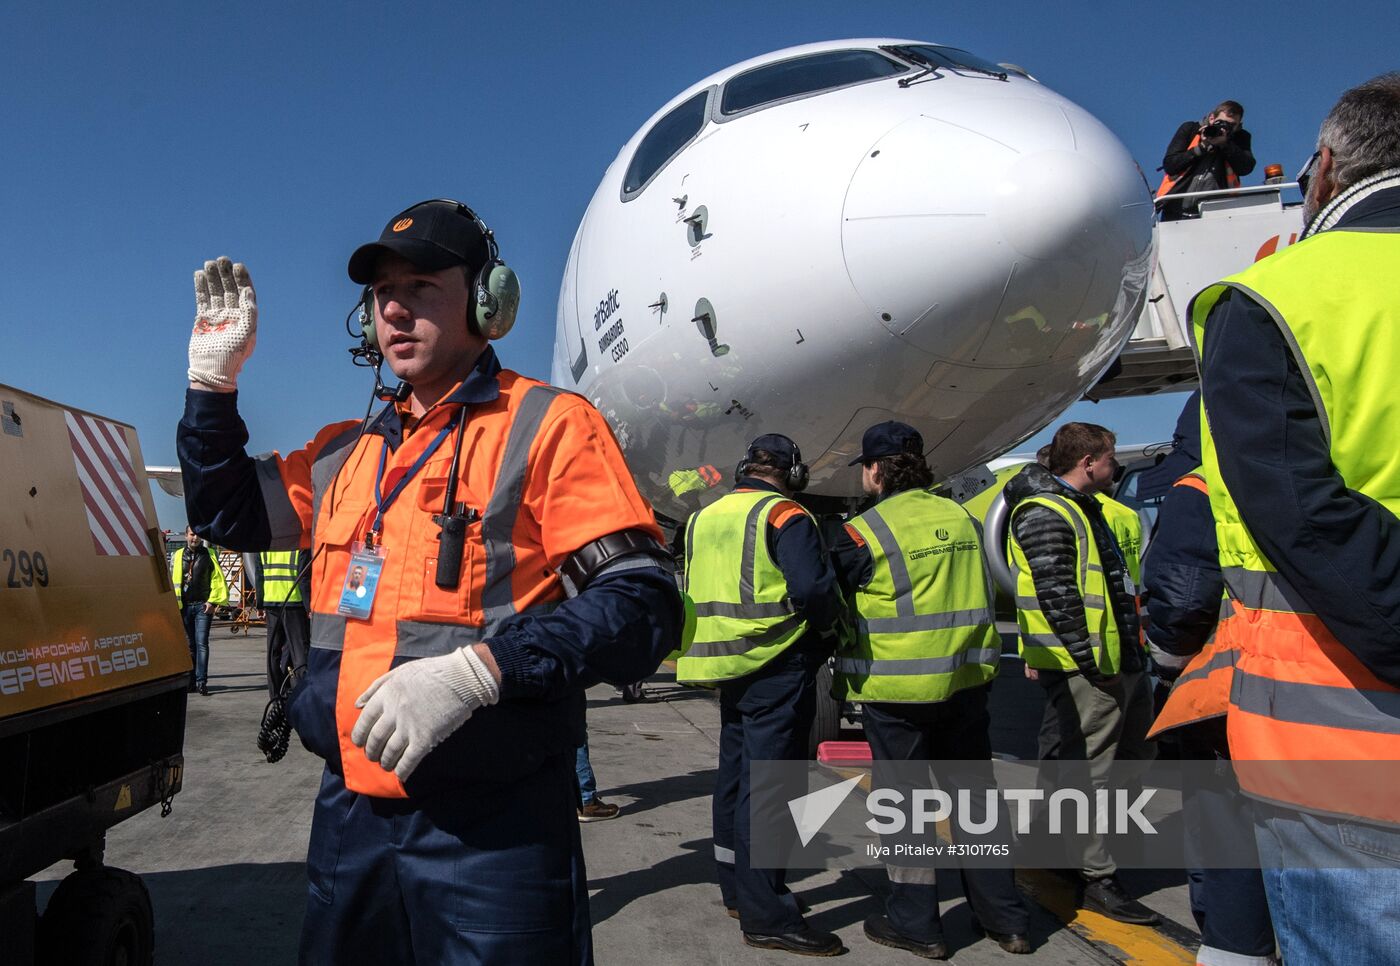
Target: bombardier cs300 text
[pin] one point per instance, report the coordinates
(829, 236)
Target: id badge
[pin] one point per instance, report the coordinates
(361, 581)
(1128, 584)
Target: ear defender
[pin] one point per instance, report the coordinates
(497, 299)
(797, 474)
(366, 309)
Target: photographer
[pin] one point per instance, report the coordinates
(1205, 156)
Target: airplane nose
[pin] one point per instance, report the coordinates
(987, 233)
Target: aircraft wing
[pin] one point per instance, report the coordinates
(168, 478)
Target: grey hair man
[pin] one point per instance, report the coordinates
(1298, 361)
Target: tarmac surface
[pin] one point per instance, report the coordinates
(226, 869)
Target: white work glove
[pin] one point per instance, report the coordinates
(225, 324)
(410, 710)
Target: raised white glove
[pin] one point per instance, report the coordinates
(410, 710)
(225, 324)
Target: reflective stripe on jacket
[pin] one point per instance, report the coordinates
(279, 577)
(1202, 690)
(1040, 647)
(1298, 695)
(924, 623)
(743, 618)
(218, 586)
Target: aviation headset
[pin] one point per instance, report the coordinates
(795, 474)
(495, 288)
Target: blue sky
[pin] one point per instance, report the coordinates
(140, 139)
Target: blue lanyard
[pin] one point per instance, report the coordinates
(382, 503)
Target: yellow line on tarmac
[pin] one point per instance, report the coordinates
(1124, 943)
(1117, 940)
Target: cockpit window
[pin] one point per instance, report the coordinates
(802, 76)
(664, 141)
(953, 58)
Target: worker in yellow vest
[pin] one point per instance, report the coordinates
(1298, 355)
(764, 601)
(284, 592)
(1076, 606)
(200, 587)
(925, 653)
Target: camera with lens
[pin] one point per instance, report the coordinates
(1217, 129)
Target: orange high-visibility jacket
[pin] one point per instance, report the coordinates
(541, 476)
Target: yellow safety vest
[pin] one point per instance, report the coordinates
(1040, 647)
(1297, 694)
(1127, 530)
(743, 618)
(218, 586)
(924, 623)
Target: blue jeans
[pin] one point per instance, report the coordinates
(583, 768)
(197, 636)
(1332, 886)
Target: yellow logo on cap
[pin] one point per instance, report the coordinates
(402, 223)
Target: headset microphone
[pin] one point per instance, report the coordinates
(367, 352)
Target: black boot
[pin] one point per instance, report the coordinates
(1106, 896)
(878, 929)
(1016, 943)
(804, 940)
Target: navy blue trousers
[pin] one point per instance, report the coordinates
(956, 730)
(764, 716)
(490, 874)
(1229, 905)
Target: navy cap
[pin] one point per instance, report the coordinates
(889, 439)
(432, 235)
(780, 446)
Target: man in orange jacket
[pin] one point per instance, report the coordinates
(480, 554)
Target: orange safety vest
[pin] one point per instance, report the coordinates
(1170, 181)
(528, 519)
(1202, 691)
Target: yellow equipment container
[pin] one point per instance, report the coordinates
(93, 673)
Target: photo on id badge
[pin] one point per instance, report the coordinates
(361, 583)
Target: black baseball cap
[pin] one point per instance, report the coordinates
(779, 445)
(889, 439)
(433, 235)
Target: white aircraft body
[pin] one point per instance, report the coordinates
(832, 235)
